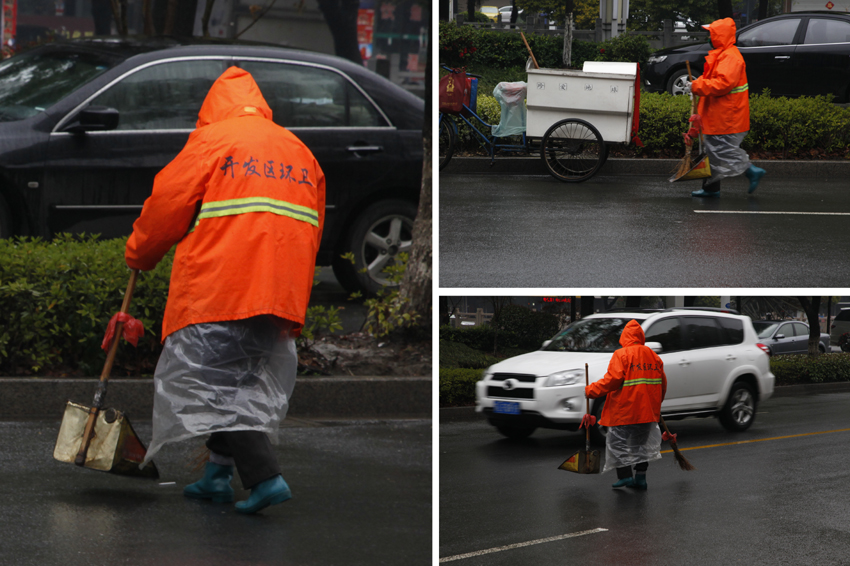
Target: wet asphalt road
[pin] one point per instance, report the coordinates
(641, 231)
(772, 502)
(361, 496)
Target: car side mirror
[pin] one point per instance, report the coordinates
(655, 347)
(780, 337)
(546, 343)
(95, 119)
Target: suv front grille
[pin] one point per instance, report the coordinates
(500, 392)
(522, 377)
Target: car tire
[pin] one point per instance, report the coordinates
(598, 433)
(678, 80)
(381, 232)
(515, 432)
(739, 412)
(5, 219)
(821, 349)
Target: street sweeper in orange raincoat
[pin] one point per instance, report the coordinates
(724, 110)
(635, 385)
(245, 203)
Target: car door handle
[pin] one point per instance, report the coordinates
(684, 363)
(782, 57)
(731, 358)
(365, 148)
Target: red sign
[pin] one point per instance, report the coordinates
(557, 300)
(9, 19)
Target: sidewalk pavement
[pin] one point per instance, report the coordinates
(663, 167)
(314, 397)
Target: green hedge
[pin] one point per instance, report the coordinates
(458, 355)
(800, 369)
(57, 298)
(457, 386)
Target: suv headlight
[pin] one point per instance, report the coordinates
(656, 59)
(569, 377)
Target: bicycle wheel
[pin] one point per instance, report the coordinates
(446, 141)
(573, 150)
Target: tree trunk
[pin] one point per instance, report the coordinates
(724, 8)
(633, 302)
(762, 9)
(205, 21)
(586, 306)
(341, 17)
(470, 10)
(445, 314)
(812, 308)
(417, 282)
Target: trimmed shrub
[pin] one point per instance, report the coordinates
(457, 386)
(457, 355)
(799, 369)
(633, 48)
(525, 328)
(475, 337)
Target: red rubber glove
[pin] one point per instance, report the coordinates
(587, 421)
(666, 436)
(696, 120)
(132, 329)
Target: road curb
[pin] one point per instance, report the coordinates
(314, 397)
(458, 414)
(661, 167)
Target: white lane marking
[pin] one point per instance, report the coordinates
(771, 212)
(520, 545)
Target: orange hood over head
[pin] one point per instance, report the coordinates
(632, 334)
(233, 94)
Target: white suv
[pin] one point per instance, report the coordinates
(712, 360)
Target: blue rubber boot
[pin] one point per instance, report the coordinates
(703, 193)
(270, 492)
(754, 174)
(640, 482)
(625, 482)
(214, 485)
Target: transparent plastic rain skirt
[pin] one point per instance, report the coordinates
(236, 375)
(725, 155)
(511, 97)
(628, 445)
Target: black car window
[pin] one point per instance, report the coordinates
(842, 316)
(166, 96)
(702, 332)
(589, 335)
(303, 96)
(786, 330)
(668, 332)
(827, 31)
(36, 80)
(732, 330)
(780, 32)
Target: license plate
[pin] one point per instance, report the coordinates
(506, 408)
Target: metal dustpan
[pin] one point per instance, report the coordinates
(103, 439)
(584, 461)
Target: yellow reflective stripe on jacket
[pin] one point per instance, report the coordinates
(738, 89)
(642, 381)
(258, 204)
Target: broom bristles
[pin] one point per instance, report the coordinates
(681, 460)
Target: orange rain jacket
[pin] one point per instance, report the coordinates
(245, 203)
(724, 97)
(635, 382)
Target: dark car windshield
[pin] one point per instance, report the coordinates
(36, 80)
(764, 329)
(592, 335)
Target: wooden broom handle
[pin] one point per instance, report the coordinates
(100, 393)
(536, 66)
(587, 403)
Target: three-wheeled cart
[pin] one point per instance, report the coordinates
(572, 116)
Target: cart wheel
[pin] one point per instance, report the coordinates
(573, 150)
(446, 141)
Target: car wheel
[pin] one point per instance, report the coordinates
(5, 219)
(516, 432)
(380, 233)
(821, 349)
(598, 433)
(740, 409)
(678, 81)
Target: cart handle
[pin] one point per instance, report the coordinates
(467, 74)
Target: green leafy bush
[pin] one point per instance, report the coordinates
(476, 337)
(632, 48)
(525, 328)
(457, 355)
(799, 369)
(457, 386)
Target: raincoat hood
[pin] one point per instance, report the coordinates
(722, 33)
(233, 94)
(632, 334)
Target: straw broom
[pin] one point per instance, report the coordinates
(681, 460)
(685, 164)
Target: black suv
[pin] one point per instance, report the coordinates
(795, 54)
(86, 125)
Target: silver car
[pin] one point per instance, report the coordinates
(787, 337)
